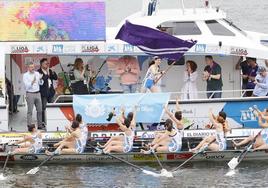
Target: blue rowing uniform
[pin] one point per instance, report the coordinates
(149, 79)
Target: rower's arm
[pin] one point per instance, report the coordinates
(212, 118)
(177, 104)
(178, 123)
(25, 139)
(163, 136)
(133, 122)
(121, 126)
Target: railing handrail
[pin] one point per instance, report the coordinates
(242, 92)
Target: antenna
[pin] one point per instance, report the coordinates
(182, 5)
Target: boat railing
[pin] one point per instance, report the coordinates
(202, 95)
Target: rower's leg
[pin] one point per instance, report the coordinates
(116, 148)
(113, 138)
(261, 147)
(68, 151)
(162, 149)
(157, 137)
(57, 144)
(21, 150)
(213, 147)
(245, 141)
(206, 140)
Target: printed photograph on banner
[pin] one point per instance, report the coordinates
(52, 21)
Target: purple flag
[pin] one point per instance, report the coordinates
(154, 42)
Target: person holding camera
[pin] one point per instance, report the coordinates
(79, 85)
(261, 83)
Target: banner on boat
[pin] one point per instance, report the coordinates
(96, 108)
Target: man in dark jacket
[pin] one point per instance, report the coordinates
(47, 90)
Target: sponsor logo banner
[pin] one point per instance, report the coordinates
(40, 49)
(92, 48)
(177, 156)
(238, 51)
(29, 157)
(112, 48)
(96, 108)
(200, 48)
(19, 49)
(142, 157)
(57, 48)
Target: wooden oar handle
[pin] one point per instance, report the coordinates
(165, 71)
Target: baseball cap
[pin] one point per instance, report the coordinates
(261, 69)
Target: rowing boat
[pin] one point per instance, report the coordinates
(90, 155)
(134, 157)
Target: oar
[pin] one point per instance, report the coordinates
(124, 161)
(201, 150)
(164, 172)
(36, 169)
(235, 161)
(167, 69)
(4, 167)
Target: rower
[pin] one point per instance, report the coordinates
(73, 144)
(123, 143)
(262, 139)
(84, 131)
(30, 144)
(221, 128)
(170, 141)
(176, 117)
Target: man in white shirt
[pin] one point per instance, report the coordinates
(261, 81)
(32, 81)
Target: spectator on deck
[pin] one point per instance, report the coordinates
(189, 90)
(79, 86)
(261, 83)
(32, 81)
(129, 71)
(252, 73)
(244, 67)
(213, 76)
(47, 89)
(12, 98)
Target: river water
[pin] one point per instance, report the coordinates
(116, 176)
(249, 15)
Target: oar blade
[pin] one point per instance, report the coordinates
(33, 171)
(2, 177)
(166, 173)
(233, 163)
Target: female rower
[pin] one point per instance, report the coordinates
(84, 131)
(73, 143)
(123, 143)
(170, 141)
(221, 128)
(151, 76)
(262, 138)
(176, 117)
(32, 143)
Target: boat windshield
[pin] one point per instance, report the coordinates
(230, 23)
